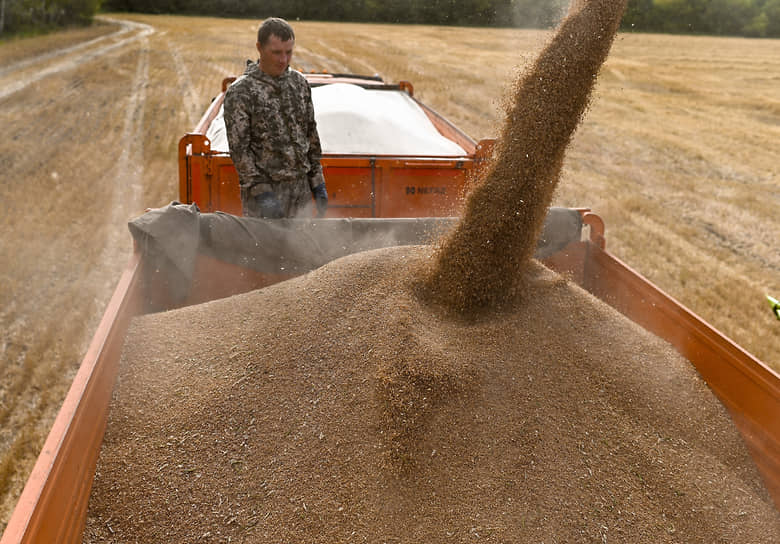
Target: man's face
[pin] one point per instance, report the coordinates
(275, 55)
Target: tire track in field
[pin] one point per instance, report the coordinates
(141, 32)
(335, 52)
(16, 66)
(330, 64)
(30, 393)
(126, 177)
(186, 87)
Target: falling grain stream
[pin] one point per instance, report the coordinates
(480, 265)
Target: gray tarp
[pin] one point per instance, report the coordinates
(172, 236)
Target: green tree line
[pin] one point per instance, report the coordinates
(20, 16)
(753, 18)
(447, 12)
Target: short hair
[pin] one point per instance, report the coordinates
(274, 26)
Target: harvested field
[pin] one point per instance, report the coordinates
(336, 408)
(677, 153)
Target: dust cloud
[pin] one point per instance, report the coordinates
(534, 14)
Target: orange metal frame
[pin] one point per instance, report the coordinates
(358, 186)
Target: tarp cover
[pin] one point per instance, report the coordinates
(170, 238)
(354, 120)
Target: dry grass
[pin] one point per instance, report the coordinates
(678, 154)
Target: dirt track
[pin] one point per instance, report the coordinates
(66, 204)
(678, 154)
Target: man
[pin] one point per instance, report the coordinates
(272, 133)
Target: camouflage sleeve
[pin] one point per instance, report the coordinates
(315, 148)
(238, 125)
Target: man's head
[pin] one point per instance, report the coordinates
(275, 43)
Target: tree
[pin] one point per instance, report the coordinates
(722, 17)
(639, 16)
(771, 10)
(37, 15)
(728, 17)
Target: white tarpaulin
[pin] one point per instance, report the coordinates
(354, 120)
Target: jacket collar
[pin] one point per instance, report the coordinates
(253, 70)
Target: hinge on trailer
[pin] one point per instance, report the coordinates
(372, 164)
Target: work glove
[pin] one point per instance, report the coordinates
(320, 199)
(270, 208)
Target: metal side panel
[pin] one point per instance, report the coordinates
(53, 504)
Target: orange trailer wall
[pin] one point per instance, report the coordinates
(358, 186)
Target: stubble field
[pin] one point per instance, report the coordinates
(678, 153)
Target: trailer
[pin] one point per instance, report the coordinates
(398, 157)
(371, 196)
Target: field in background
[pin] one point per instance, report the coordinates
(678, 153)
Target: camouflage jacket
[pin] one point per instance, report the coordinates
(271, 131)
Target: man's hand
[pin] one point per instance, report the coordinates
(269, 206)
(320, 199)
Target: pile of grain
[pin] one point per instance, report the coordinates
(343, 407)
(336, 407)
